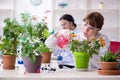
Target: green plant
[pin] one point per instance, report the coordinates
(35, 33)
(108, 57)
(89, 47)
(10, 38)
(43, 48)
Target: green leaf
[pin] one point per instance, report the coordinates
(109, 57)
(32, 58)
(46, 33)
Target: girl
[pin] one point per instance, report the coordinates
(91, 26)
(64, 54)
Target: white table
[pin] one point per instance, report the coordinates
(63, 74)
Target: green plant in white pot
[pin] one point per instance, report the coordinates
(9, 42)
(34, 34)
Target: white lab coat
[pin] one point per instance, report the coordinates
(65, 52)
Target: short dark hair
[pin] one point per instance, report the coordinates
(95, 19)
(68, 17)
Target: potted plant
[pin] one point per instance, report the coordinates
(34, 35)
(109, 64)
(109, 61)
(83, 50)
(45, 52)
(9, 42)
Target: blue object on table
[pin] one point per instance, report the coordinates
(59, 58)
(119, 66)
(20, 62)
(119, 63)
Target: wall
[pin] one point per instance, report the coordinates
(25, 6)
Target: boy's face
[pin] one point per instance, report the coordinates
(88, 30)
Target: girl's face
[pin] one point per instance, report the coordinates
(65, 24)
(88, 30)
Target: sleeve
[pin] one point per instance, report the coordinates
(51, 42)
